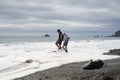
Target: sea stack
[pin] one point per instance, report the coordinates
(117, 34)
(47, 35)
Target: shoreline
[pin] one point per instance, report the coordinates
(74, 71)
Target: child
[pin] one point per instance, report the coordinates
(65, 42)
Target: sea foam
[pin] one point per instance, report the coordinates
(44, 55)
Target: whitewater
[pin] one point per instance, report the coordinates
(44, 55)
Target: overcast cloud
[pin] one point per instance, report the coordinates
(35, 15)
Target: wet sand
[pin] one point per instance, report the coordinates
(74, 71)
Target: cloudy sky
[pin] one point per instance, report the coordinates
(43, 15)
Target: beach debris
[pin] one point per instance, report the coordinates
(29, 61)
(93, 64)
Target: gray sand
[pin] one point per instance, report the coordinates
(74, 71)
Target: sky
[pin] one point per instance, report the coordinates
(17, 16)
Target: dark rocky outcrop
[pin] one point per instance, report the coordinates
(113, 52)
(93, 65)
(47, 35)
(117, 34)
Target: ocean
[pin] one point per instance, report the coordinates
(15, 50)
(53, 37)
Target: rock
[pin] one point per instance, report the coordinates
(47, 35)
(117, 34)
(29, 61)
(113, 52)
(94, 64)
(96, 36)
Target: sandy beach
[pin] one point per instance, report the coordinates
(74, 71)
